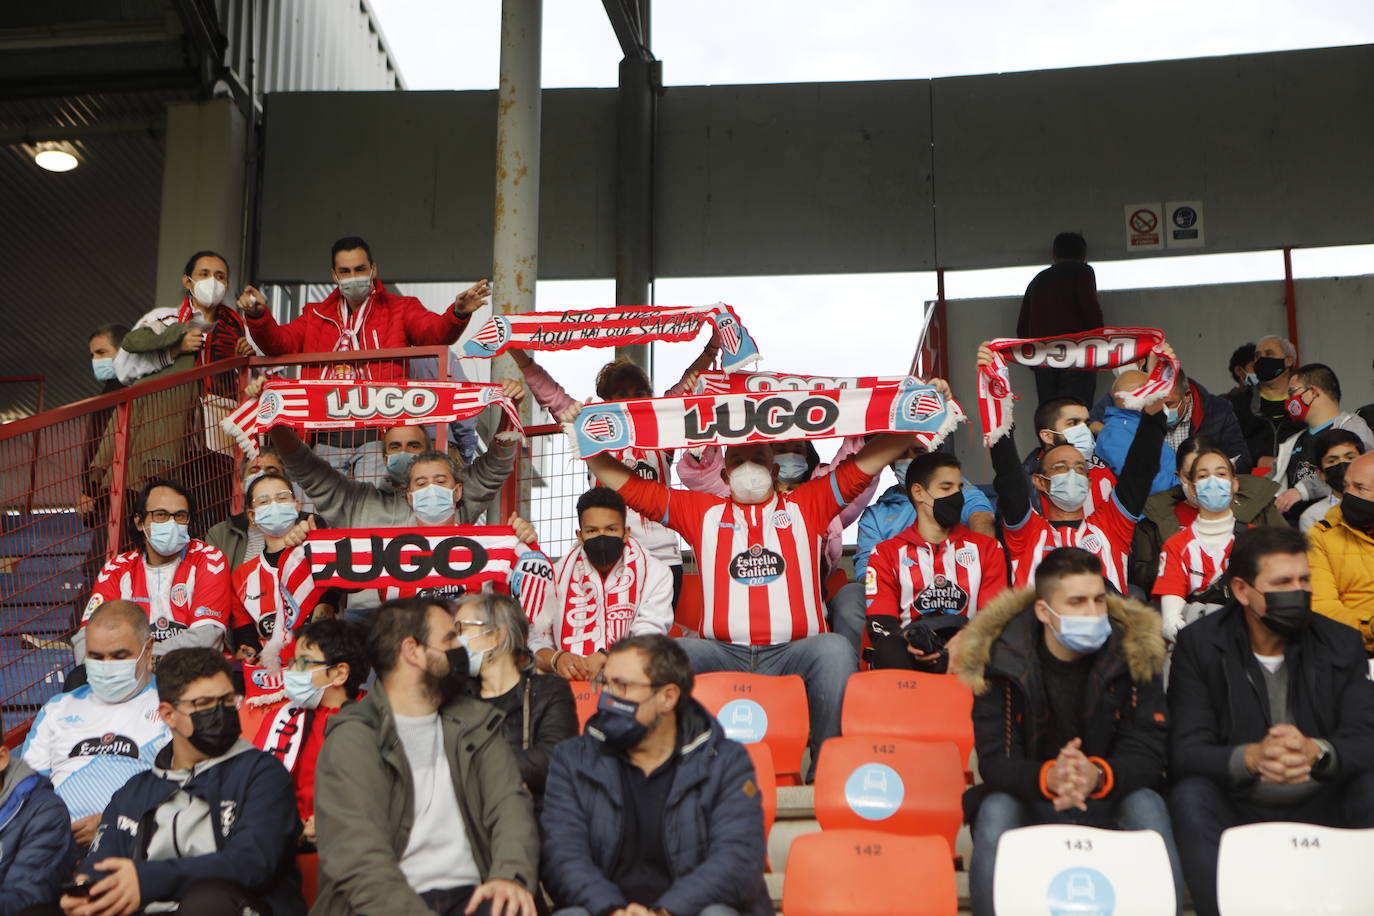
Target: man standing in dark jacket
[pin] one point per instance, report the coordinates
(1273, 711)
(37, 851)
(653, 810)
(211, 827)
(1079, 673)
(1062, 299)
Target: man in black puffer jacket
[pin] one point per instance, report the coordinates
(1068, 714)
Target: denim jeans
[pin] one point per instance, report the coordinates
(1204, 810)
(715, 909)
(824, 662)
(1142, 809)
(848, 609)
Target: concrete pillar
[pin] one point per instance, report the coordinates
(202, 191)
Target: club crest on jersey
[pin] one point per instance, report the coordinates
(966, 556)
(1091, 543)
(942, 596)
(490, 338)
(782, 519)
(107, 745)
(757, 566)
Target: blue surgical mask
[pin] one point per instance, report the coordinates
(1081, 438)
(475, 656)
(791, 468)
(169, 538)
(432, 504)
(1069, 490)
(301, 690)
(899, 468)
(113, 680)
(1252, 380)
(275, 519)
(1081, 634)
(1213, 493)
(1171, 415)
(103, 368)
(398, 466)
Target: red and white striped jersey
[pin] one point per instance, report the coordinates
(760, 564)
(909, 577)
(191, 591)
(259, 591)
(1187, 565)
(1107, 533)
(433, 562)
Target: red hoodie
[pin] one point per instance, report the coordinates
(384, 321)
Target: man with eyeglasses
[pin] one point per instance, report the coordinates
(1062, 478)
(652, 810)
(211, 829)
(91, 740)
(326, 671)
(182, 583)
(418, 797)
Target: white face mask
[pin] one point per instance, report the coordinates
(208, 291)
(751, 483)
(355, 289)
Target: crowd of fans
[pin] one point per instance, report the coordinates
(1165, 619)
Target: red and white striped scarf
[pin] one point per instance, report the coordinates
(1104, 348)
(334, 404)
(698, 420)
(613, 327)
(713, 382)
(597, 612)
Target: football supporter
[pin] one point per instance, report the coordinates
(1272, 709)
(1069, 714)
(1062, 476)
(758, 549)
(1062, 299)
(653, 810)
(36, 849)
(1118, 431)
(90, 741)
(236, 538)
(1342, 554)
(934, 576)
(182, 583)
(537, 709)
(418, 797)
(211, 829)
(622, 380)
(1064, 421)
(1334, 450)
(327, 670)
(607, 587)
(1193, 560)
(1314, 399)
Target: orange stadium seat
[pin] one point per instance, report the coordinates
(309, 865)
(761, 707)
(909, 704)
(690, 608)
(864, 873)
(837, 580)
(767, 782)
(891, 785)
(585, 698)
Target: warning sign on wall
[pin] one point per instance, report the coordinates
(1144, 227)
(1183, 224)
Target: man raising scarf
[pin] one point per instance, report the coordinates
(607, 587)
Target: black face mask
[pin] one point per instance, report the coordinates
(604, 549)
(1335, 475)
(948, 509)
(457, 682)
(1287, 614)
(1268, 368)
(214, 730)
(614, 723)
(1358, 513)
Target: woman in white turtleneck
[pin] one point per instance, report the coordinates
(1194, 559)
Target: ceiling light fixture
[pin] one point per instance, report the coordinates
(55, 156)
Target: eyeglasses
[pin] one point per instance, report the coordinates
(162, 515)
(198, 704)
(282, 496)
(1295, 392)
(305, 664)
(1061, 467)
(618, 686)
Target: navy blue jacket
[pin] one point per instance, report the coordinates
(255, 827)
(37, 852)
(712, 828)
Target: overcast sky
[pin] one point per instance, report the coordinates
(455, 44)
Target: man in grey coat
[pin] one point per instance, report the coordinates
(418, 800)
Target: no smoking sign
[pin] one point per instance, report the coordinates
(1142, 227)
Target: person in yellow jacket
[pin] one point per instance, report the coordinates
(1341, 553)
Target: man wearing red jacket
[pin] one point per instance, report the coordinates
(360, 315)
